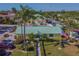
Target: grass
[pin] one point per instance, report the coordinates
(19, 52)
(50, 51)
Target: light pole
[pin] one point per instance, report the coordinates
(38, 51)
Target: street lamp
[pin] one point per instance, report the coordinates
(38, 51)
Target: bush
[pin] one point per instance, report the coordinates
(31, 48)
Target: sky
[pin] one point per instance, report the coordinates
(42, 6)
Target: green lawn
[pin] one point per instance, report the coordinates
(19, 52)
(51, 50)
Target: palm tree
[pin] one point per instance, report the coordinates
(14, 10)
(42, 40)
(25, 14)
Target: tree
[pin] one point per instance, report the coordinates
(24, 14)
(42, 39)
(14, 10)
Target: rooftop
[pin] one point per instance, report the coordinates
(42, 29)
